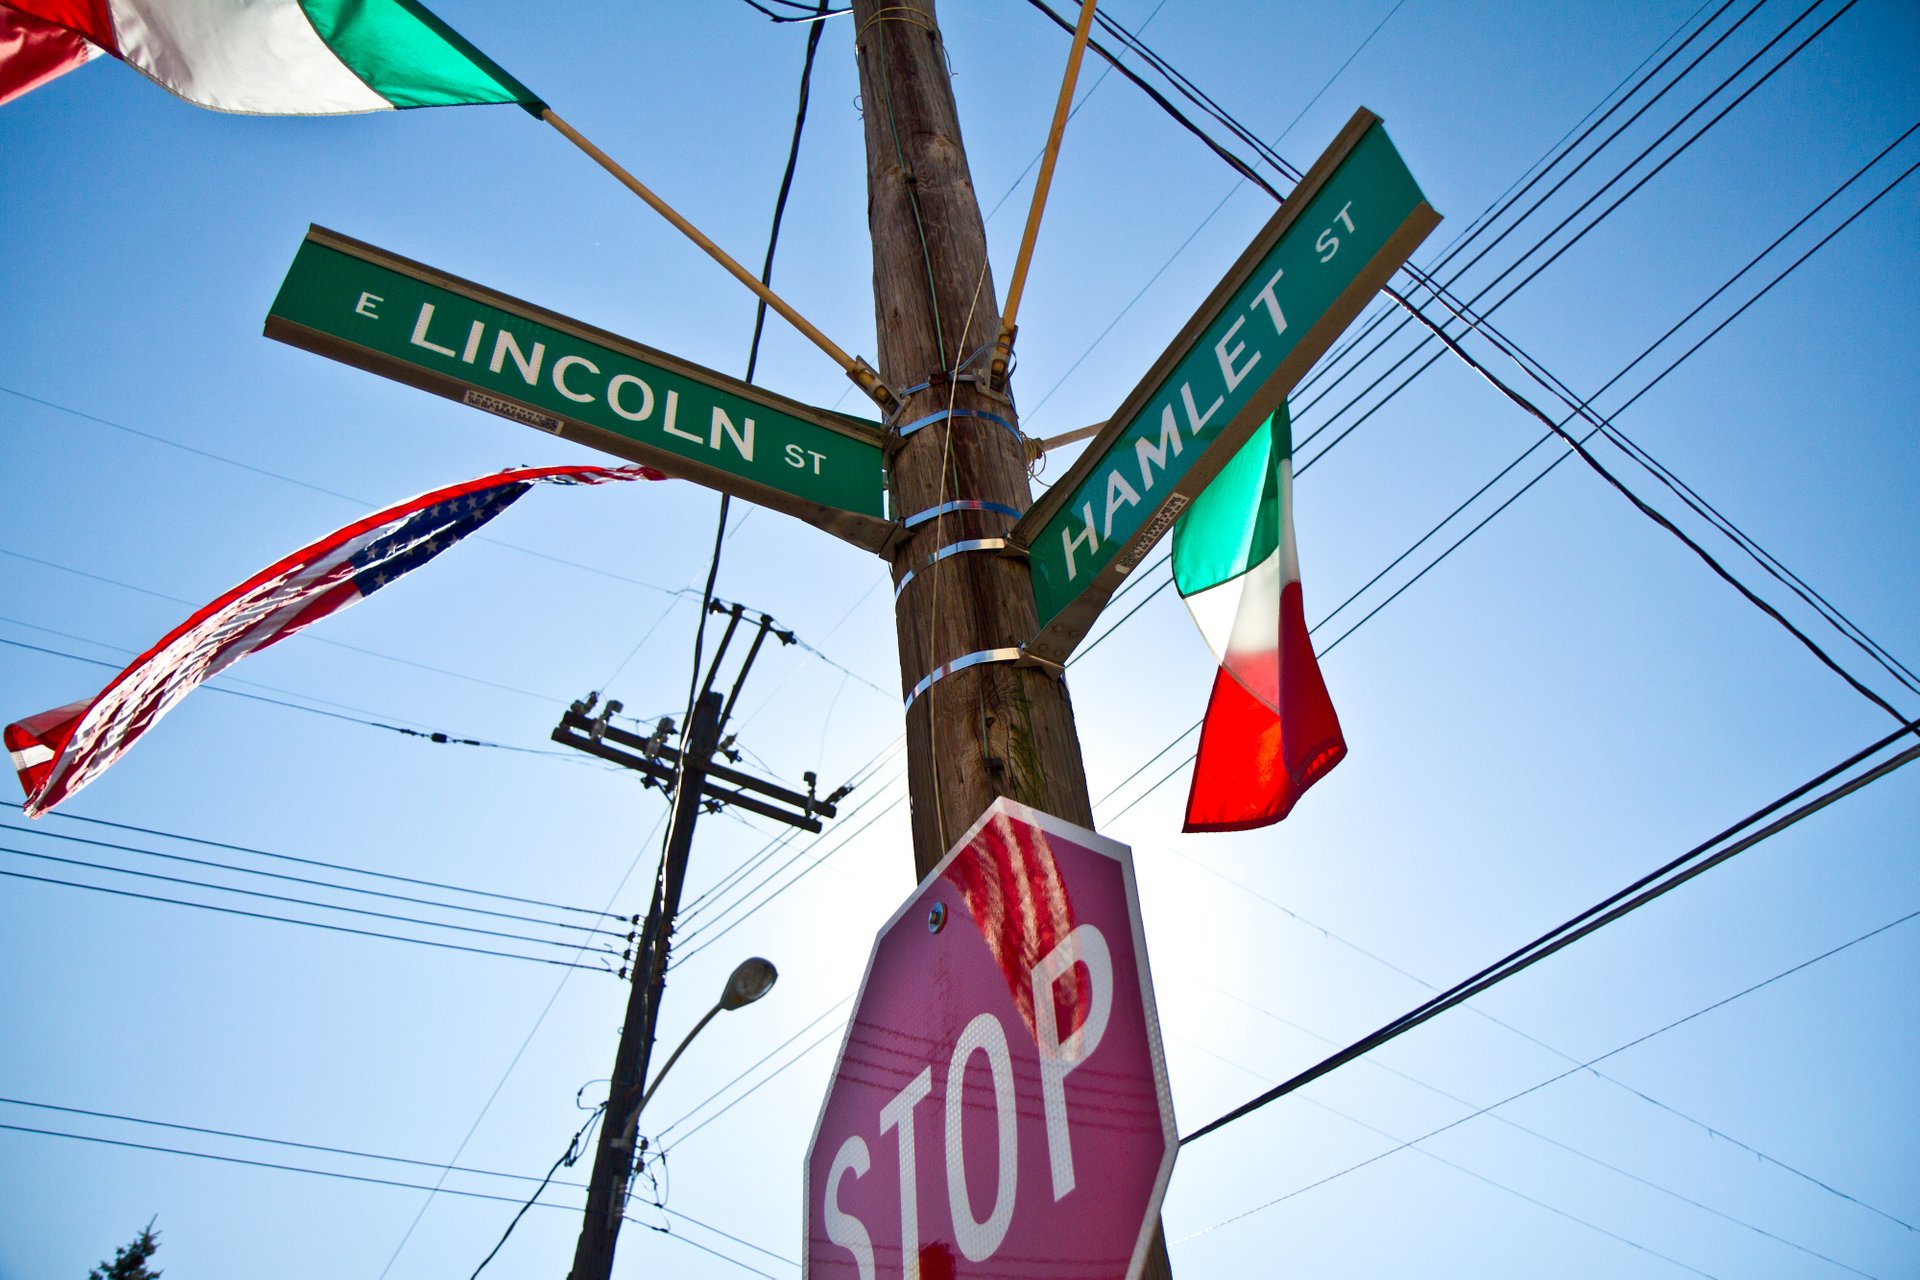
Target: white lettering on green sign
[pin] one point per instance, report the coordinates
(525, 369)
(1225, 374)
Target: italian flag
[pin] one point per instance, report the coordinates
(1270, 730)
(260, 57)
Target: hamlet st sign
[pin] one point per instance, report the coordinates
(406, 321)
(1000, 1104)
(1349, 225)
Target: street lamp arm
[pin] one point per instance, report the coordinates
(647, 1097)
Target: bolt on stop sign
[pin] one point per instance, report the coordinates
(1001, 1094)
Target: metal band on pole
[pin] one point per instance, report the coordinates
(951, 549)
(942, 415)
(958, 504)
(946, 669)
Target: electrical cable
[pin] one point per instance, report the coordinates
(1712, 1132)
(1353, 340)
(567, 1158)
(213, 864)
(1506, 346)
(289, 900)
(809, 15)
(321, 489)
(1662, 880)
(363, 1178)
(704, 900)
(1851, 630)
(1813, 598)
(1508, 202)
(1511, 1190)
(752, 1067)
(750, 912)
(753, 359)
(432, 735)
(525, 1041)
(307, 635)
(311, 924)
(1586, 1065)
(824, 1036)
(390, 876)
(1768, 563)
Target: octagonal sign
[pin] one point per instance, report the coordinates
(1000, 1103)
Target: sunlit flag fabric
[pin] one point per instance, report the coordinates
(34, 51)
(262, 57)
(1270, 730)
(60, 751)
(1011, 887)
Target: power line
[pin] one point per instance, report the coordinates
(307, 635)
(389, 876)
(512, 1063)
(214, 864)
(320, 489)
(760, 1084)
(1653, 885)
(1828, 612)
(1856, 635)
(1717, 1134)
(567, 1158)
(372, 1181)
(1532, 367)
(289, 900)
(1497, 1185)
(730, 926)
(704, 900)
(436, 736)
(1583, 1066)
(1485, 218)
(311, 924)
(752, 1067)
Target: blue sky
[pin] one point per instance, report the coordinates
(1566, 702)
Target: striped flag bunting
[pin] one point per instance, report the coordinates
(58, 752)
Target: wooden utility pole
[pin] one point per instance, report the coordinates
(996, 728)
(614, 1153)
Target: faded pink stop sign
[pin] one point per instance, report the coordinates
(1000, 1104)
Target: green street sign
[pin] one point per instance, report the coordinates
(1353, 220)
(384, 313)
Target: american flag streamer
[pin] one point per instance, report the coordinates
(1011, 886)
(60, 751)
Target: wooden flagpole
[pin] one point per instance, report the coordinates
(856, 368)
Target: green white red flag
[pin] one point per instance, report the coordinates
(1270, 730)
(261, 57)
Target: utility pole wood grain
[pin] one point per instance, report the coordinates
(994, 729)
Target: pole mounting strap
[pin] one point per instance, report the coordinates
(945, 669)
(941, 415)
(958, 504)
(951, 549)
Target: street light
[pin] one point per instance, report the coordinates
(751, 979)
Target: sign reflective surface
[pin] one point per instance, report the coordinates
(1000, 1104)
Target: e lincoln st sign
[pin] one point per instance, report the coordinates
(384, 313)
(1000, 1103)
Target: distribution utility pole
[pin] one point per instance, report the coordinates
(983, 720)
(696, 784)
